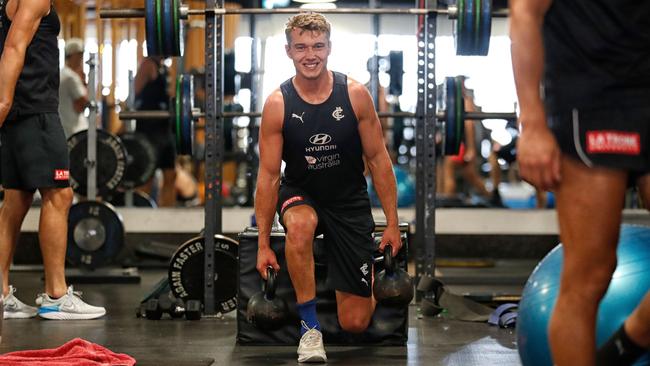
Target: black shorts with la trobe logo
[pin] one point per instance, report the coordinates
(348, 241)
(615, 138)
(34, 153)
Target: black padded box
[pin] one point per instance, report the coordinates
(389, 325)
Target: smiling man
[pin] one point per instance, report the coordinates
(323, 125)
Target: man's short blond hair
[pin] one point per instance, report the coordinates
(308, 22)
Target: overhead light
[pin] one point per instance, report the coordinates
(318, 6)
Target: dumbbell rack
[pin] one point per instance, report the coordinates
(103, 274)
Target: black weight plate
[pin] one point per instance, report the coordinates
(168, 27)
(460, 110)
(451, 143)
(485, 28)
(176, 47)
(177, 113)
(111, 162)
(95, 234)
(151, 31)
(140, 160)
(140, 199)
(186, 115)
(186, 272)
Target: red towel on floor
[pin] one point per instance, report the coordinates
(76, 352)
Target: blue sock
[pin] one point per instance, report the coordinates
(307, 313)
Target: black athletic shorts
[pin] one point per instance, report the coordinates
(613, 138)
(34, 153)
(348, 241)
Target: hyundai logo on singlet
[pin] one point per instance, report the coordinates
(320, 139)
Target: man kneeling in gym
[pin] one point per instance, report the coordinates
(323, 125)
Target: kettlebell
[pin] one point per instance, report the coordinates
(393, 286)
(265, 310)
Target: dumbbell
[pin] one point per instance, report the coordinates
(193, 309)
(393, 286)
(155, 308)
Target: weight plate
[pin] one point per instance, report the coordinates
(177, 112)
(187, 123)
(460, 110)
(467, 32)
(140, 160)
(476, 20)
(95, 234)
(150, 27)
(451, 143)
(159, 27)
(111, 162)
(140, 199)
(485, 28)
(186, 272)
(176, 48)
(459, 26)
(168, 27)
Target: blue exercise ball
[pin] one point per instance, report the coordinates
(629, 284)
(405, 188)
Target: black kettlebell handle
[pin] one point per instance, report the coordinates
(389, 262)
(270, 284)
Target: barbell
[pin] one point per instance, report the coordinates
(183, 115)
(472, 25)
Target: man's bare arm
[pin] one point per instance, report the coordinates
(24, 25)
(537, 151)
(526, 19)
(268, 177)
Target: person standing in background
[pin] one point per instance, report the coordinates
(73, 93)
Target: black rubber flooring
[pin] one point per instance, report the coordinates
(432, 341)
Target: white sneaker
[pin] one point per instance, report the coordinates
(16, 309)
(311, 347)
(68, 307)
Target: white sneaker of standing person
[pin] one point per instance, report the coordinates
(16, 309)
(67, 307)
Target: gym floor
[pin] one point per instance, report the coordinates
(179, 342)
